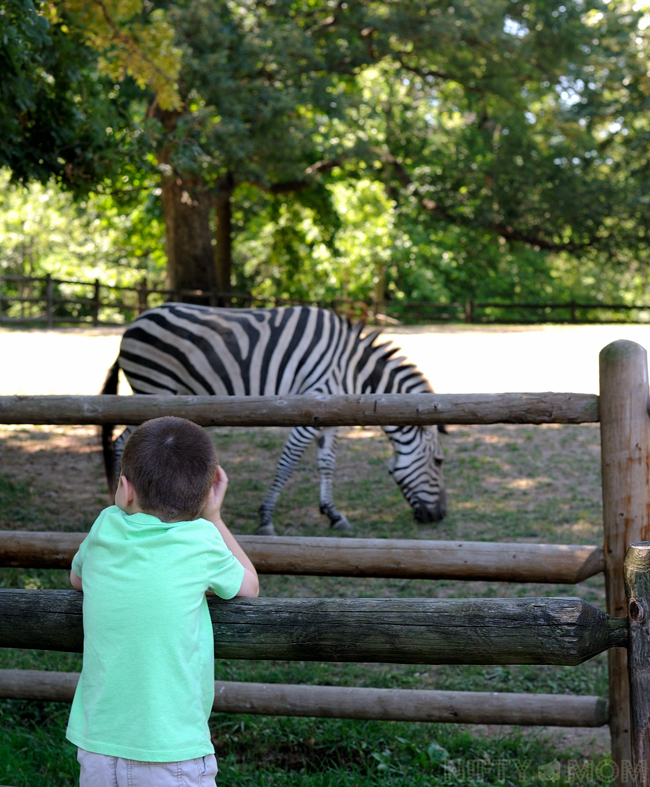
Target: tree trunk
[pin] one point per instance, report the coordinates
(186, 207)
(223, 236)
(186, 212)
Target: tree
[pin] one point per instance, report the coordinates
(463, 117)
(62, 114)
(253, 80)
(483, 122)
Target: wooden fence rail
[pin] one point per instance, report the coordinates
(564, 631)
(358, 557)
(307, 410)
(280, 699)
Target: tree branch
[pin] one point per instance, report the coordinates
(422, 72)
(505, 231)
(330, 21)
(289, 186)
(129, 42)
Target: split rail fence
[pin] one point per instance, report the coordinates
(53, 301)
(479, 631)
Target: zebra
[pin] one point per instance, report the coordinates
(181, 348)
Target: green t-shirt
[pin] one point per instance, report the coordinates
(147, 684)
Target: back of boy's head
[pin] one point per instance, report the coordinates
(171, 463)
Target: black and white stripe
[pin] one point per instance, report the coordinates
(186, 349)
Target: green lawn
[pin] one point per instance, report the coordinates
(504, 483)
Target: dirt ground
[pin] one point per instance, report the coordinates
(51, 477)
(456, 358)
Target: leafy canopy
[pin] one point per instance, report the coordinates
(458, 148)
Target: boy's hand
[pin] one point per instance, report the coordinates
(212, 508)
(250, 585)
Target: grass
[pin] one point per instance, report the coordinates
(504, 483)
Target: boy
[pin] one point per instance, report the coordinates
(139, 715)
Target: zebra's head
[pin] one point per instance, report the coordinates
(416, 466)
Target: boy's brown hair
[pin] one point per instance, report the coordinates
(171, 463)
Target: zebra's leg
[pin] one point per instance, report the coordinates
(294, 448)
(327, 443)
(118, 449)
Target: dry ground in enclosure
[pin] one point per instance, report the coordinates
(503, 482)
(456, 358)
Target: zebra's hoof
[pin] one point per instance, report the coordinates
(341, 524)
(265, 530)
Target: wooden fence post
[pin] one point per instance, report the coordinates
(96, 303)
(625, 457)
(469, 312)
(49, 302)
(637, 589)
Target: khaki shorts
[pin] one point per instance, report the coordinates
(100, 770)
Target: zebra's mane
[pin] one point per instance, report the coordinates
(370, 343)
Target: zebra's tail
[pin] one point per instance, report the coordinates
(108, 449)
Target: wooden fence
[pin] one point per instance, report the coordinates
(621, 408)
(280, 699)
(558, 631)
(102, 303)
(42, 300)
(358, 557)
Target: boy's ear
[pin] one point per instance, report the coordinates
(127, 490)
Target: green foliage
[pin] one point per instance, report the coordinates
(432, 150)
(55, 110)
(43, 230)
(133, 39)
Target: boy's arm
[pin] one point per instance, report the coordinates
(250, 586)
(80, 556)
(75, 581)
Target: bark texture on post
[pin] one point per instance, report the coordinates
(637, 588)
(625, 447)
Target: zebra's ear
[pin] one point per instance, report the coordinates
(391, 464)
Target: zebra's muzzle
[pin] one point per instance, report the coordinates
(433, 513)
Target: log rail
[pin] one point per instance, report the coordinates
(342, 702)
(565, 631)
(425, 631)
(306, 410)
(357, 557)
